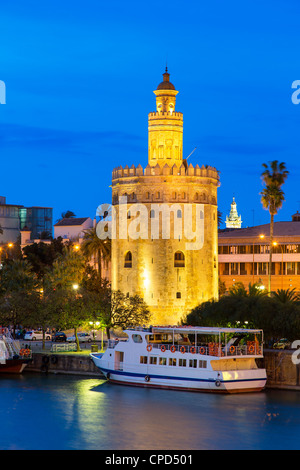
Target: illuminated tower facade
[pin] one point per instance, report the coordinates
(233, 220)
(165, 244)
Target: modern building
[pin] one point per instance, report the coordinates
(233, 220)
(14, 217)
(244, 255)
(155, 254)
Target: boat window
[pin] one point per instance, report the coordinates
(137, 338)
(153, 360)
(172, 361)
(162, 361)
(143, 360)
(202, 364)
(182, 362)
(193, 363)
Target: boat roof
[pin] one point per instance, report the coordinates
(204, 330)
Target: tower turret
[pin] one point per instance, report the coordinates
(165, 127)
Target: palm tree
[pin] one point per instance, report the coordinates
(286, 295)
(272, 198)
(239, 290)
(66, 215)
(93, 246)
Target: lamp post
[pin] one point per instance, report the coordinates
(96, 325)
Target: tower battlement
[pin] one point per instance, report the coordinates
(160, 114)
(166, 170)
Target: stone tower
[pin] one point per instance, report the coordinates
(233, 220)
(165, 243)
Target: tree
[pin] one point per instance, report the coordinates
(41, 255)
(68, 270)
(93, 246)
(66, 215)
(272, 198)
(220, 219)
(19, 293)
(117, 310)
(239, 290)
(286, 295)
(69, 306)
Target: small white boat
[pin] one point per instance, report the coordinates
(186, 358)
(13, 360)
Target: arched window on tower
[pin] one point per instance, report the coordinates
(179, 260)
(128, 260)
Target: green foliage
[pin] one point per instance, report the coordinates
(19, 292)
(277, 319)
(93, 246)
(41, 256)
(254, 290)
(117, 310)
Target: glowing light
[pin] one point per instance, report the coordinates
(146, 280)
(75, 286)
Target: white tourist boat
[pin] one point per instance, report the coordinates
(186, 358)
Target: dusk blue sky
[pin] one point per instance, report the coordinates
(79, 86)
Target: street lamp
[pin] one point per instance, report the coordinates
(96, 325)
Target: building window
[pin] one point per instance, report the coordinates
(179, 260)
(182, 363)
(162, 361)
(143, 360)
(128, 260)
(290, 268)
(153, 360)
(234, 268)
(152, 214)
(178, 295)
(179, 214)
(172, 361)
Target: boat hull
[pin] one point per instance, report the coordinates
(13, 366)
(242, 381)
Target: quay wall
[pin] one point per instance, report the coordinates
(63, 364)
(282, 373)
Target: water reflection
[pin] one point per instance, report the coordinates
(70, 412)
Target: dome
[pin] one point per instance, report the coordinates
(166, 84)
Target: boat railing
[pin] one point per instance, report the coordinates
(212, 349)
(12, 346)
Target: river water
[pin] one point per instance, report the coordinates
(56, 412)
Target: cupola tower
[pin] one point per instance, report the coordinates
(165, 126)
